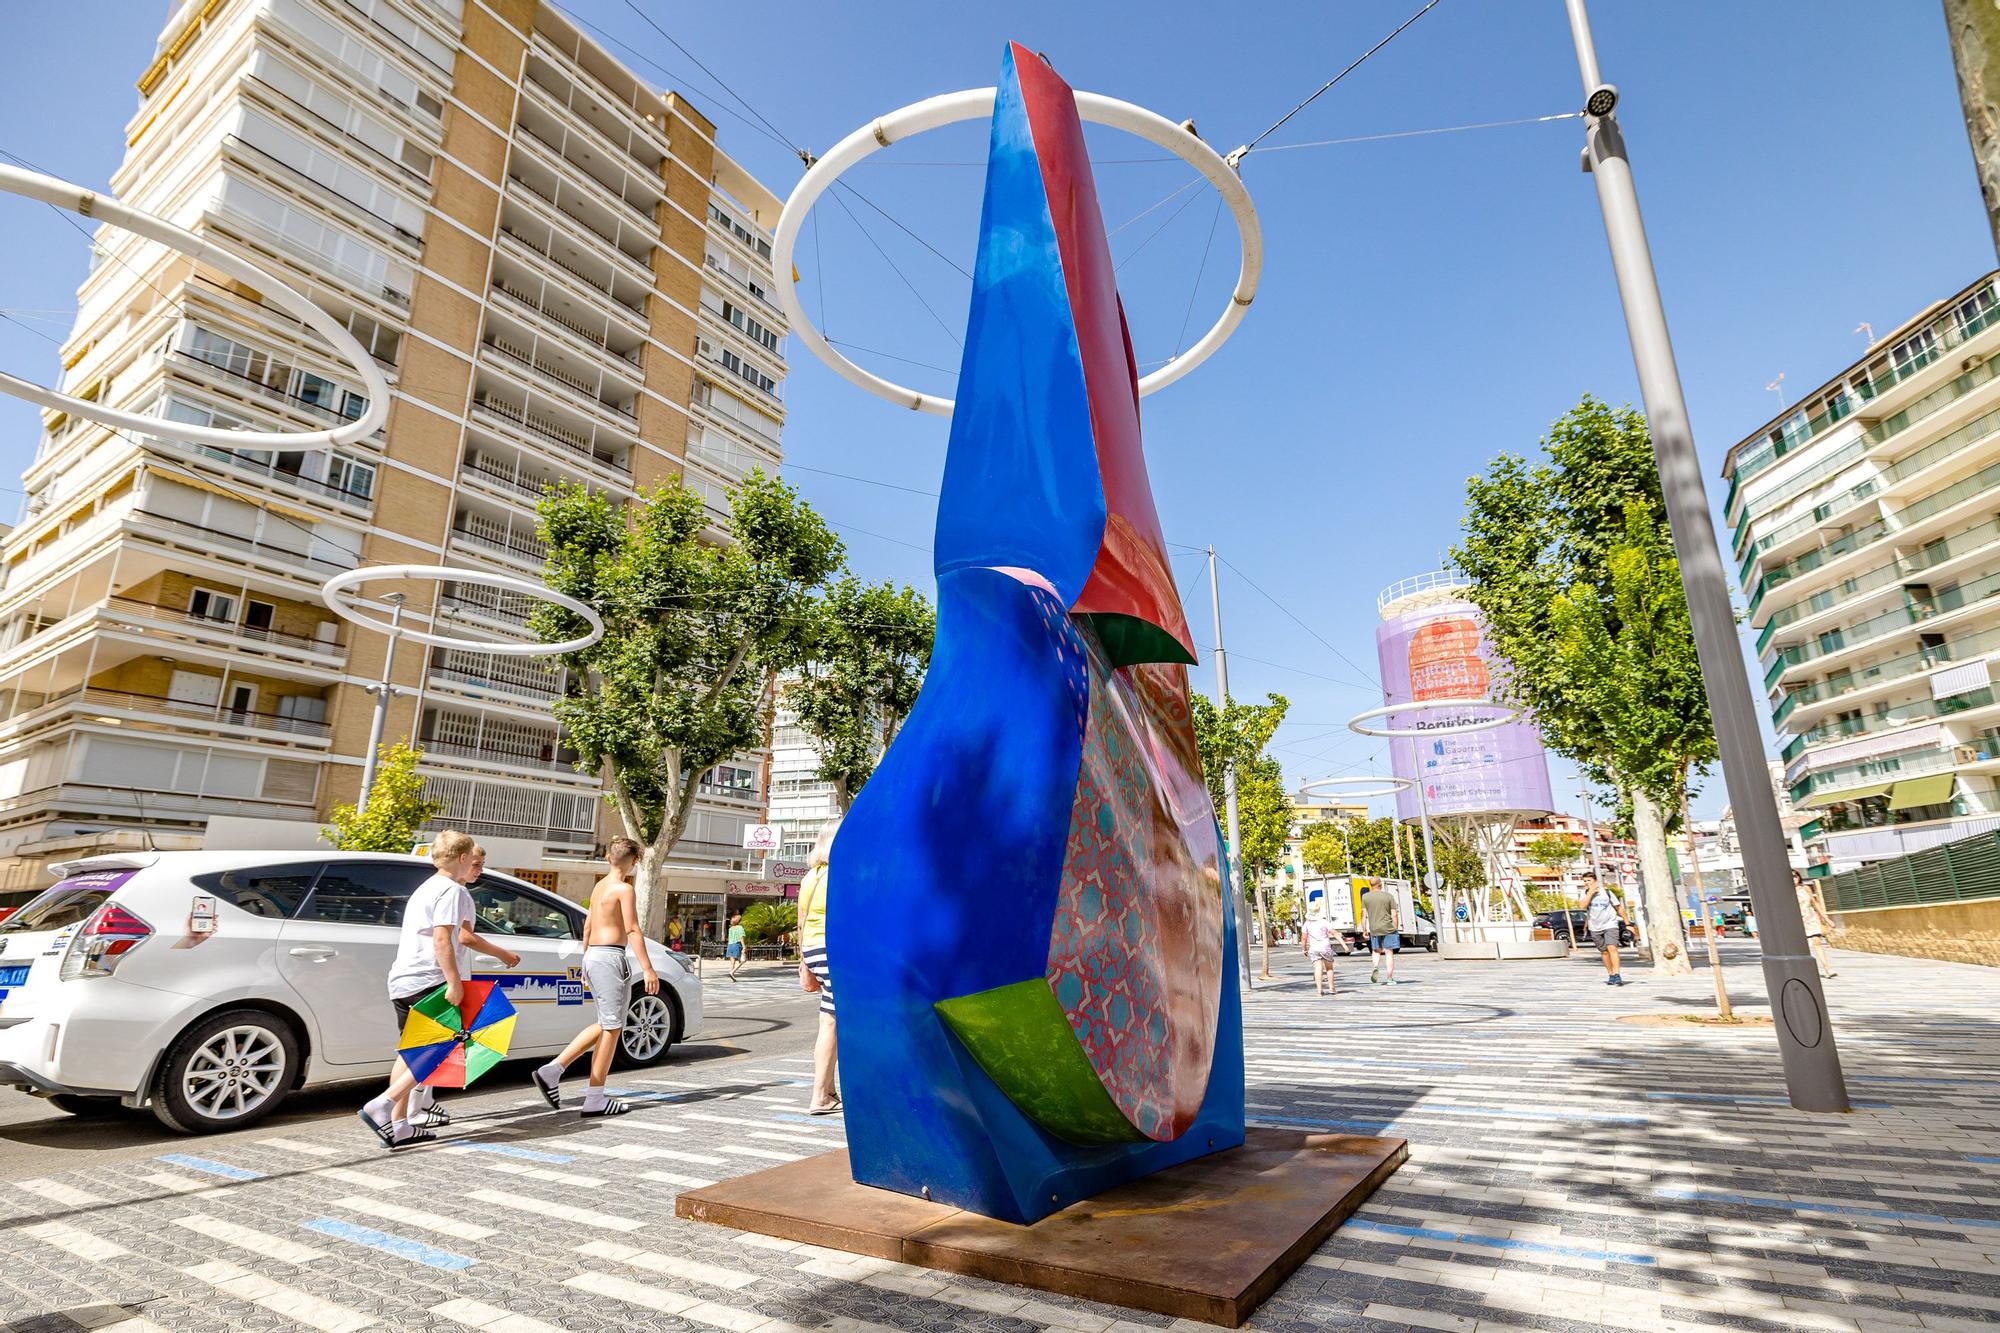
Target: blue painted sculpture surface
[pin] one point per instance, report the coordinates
(1028, 928)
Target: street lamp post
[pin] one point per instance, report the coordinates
(1234, 855)
(1805, 1037)
(381, 692)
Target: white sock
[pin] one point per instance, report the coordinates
(594, 1098)
(401, 1130)
(551, 1072)
(380, 1110)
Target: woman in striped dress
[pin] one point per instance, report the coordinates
(812, 948)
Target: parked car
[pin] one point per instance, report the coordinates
(1570, 926)
(113, 993)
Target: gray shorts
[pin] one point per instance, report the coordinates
(605, 972)
(1605, 940)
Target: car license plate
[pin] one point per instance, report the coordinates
(14, 976)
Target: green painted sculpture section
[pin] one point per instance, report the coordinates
(1128, 639)
(1020, 1037)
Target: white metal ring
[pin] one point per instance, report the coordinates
(971, 104)
(1506, 715)
(339, 583)
(88, 203)
(1390, 786)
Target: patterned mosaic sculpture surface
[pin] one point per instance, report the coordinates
(1027, 923)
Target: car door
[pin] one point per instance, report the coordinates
(547, 988)
(336, 952)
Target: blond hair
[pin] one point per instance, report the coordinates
(622, 850)
(822, 849)
(449, 845)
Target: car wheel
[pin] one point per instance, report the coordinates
(1431, 943)
(84, 1106)
(652, 1026)
(227, 1071)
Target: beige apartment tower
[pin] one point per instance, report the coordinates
(563, 277)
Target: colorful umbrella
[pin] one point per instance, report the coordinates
(448, 1046)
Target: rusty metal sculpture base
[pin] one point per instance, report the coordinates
(1208, 1239)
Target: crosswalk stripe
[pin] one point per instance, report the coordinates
(688, 1270)
(56, 1192)
(413, 1217)
(367, 1180)
(287, 1301)
(674, 1178)
(297, 1146)
(401, 1246)
(490, 1318)
(745, 1150)
(636, 1293)
(248, 1238)
(534, 1172)
(79, 1243)
(561, 1212)
(179, 1184)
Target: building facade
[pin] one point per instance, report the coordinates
(564, 279)
(1867, 523)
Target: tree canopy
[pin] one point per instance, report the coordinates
(866, 650)
(1237, 735)
(396, 809)
(693, 629)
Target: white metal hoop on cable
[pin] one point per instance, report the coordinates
(339, 583)
(1389, 786)
(1503, 715)
(88, 203)
(971, 104)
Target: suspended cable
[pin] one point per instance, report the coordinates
(1200, 269)
(1300, 623)
(873, 351)
(897, 271)
(819, 268)
(1250, 147)
(1413, 134)
(1182, 188)
(894, 222)
(1134, 252)
(741, 100)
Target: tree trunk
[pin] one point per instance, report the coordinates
(1264, 921)
(1722, 1008)
(1973, 27)
(1663, 911)
(648, 900)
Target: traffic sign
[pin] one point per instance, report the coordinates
(1433, 880)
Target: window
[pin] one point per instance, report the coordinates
(208, 604)
(731, 781)
(259, 616)
(310, 388)
(505, 910)
(267, 891)
(64, 904)
(365, 893)
(351, 475)
(353, 406)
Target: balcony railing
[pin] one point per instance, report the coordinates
(1894, 719)
(605, 191)
(521, 548)
(610, 241)
(131, 607)
(597, 340)
(648, 173)
(523, 688)
(268, 471)
(608, 288)
(511, 481)
(1962, 649)
(245, 545)
(179, 710)
(283, 397)
(546, 759)
(573, 441)
(574, 383)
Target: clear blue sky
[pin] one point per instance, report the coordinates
(1427, 302)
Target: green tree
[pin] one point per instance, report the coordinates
(692, 631)
(867, 646)
(1572, 565)
(1552, 850)
(1235, 737)
(764, 922)
(396, 807)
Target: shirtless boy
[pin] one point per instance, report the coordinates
(613, 924)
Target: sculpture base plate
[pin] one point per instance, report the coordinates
(1208, 1239)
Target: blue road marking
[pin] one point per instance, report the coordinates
(525, 1154)
(203, 1164)
(1501, 1243)
(1992, 1160)
(1365, 1126)
(400, 1246)
(1839, 1210)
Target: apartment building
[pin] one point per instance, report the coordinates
(1867, 521)
(563, 277)
(801, 802)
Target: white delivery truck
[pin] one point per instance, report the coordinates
(1338, 898)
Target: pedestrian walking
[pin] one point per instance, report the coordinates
(1383, 916)
(437, 925)
(1602, 915)
(1316, 943)
(1812, 911)
(816, 975)
(611, 941)
(733, 950)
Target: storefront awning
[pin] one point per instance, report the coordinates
(1933, 789)
(1849, 794)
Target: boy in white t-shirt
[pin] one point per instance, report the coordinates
(437, 924)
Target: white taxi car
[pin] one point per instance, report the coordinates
(211, 985)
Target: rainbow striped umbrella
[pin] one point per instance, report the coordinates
(448, 1046)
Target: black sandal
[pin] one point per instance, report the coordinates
(380, 1131)
(549, 1094)
(435, 1117)
(414, 1136)
(614, 1106)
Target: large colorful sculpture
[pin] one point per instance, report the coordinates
(1029, 930)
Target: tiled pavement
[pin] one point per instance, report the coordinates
(1567, 1171)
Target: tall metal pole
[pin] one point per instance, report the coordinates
(1590, 823)
(1229, 787)
(1432, 880)
(1805, 1036)
(381, 692)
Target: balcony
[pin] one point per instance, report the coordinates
(484, 685)
(519, 483)
(608, 227)
(1895, 669)
(127, 609)
(574, 385)
(176, 531)
(604, 286)
(634, 167)
(595, 344)
(120, 706)
(1894, 719)
(544, 431)
(522, 551)
(545, 762)
(1916, 611)
(231, 378)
